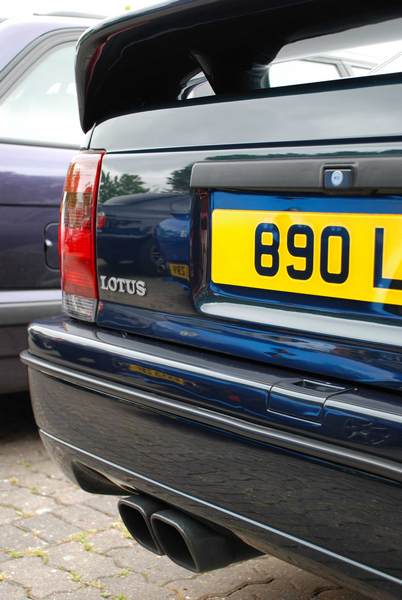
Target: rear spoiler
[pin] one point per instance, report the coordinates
(144, 59)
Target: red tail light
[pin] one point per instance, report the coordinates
(77, 236)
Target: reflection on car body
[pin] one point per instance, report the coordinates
(148, 222)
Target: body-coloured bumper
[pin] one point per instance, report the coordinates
(186, 428)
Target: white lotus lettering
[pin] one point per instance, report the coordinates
(123, 286)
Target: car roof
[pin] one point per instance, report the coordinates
(17, 33)
(51, 21)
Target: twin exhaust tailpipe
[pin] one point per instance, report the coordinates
(185, 540)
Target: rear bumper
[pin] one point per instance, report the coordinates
(135, 414)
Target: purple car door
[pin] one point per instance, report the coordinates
(39, 134)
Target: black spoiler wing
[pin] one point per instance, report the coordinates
(143, 59)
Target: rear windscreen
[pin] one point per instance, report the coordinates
(358, 52)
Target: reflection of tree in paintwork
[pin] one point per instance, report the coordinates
(179, 180)
(126, 184)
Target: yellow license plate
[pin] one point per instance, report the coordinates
(337, 255)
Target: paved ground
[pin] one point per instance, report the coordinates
(59, 543)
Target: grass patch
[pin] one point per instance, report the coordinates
(97, 585)
(35, 552)
(88, 547)
(76, 577)
(39, 553)
(15, 554)
(124, 573)
(82, 536)
(24, 515)
(123, 530)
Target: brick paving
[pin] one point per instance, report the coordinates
(59, 543)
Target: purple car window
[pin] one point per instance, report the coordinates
(42, 105)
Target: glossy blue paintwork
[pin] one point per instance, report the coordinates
(172, 236)
(307, 202)
(348, 427)
(169, 236)
(330, 358)
(263, 490)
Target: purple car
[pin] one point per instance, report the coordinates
(39, 134)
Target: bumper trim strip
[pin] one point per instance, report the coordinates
(292, 442)
(203, 368)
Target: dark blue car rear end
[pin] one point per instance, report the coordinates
(230, 357)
